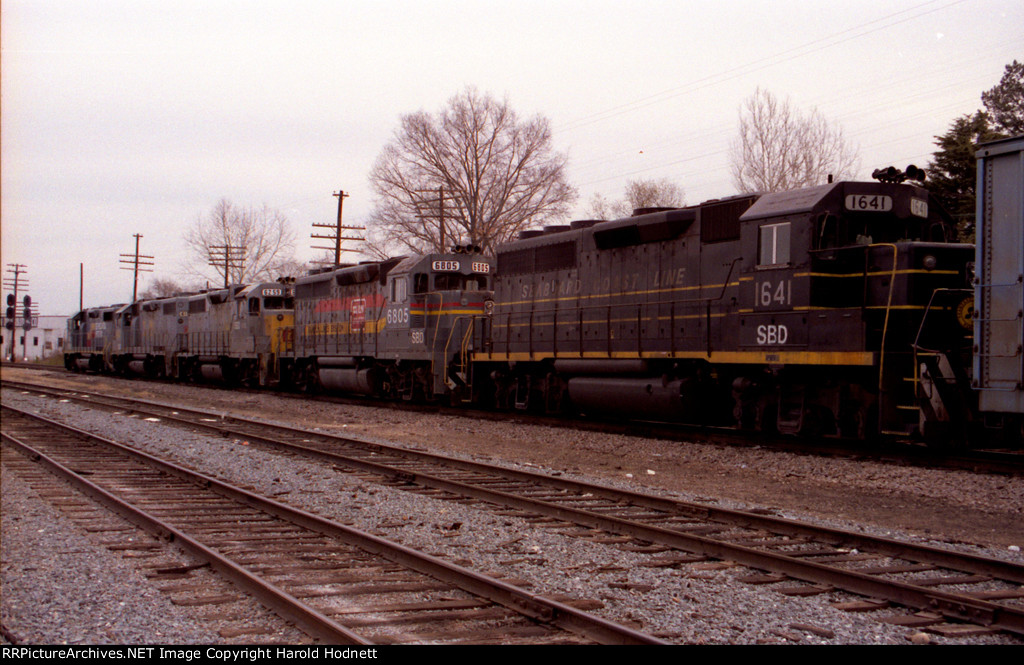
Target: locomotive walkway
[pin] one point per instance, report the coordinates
(951, 592)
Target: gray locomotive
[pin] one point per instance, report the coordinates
(236, 334)
(402, 328)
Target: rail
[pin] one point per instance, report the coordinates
(801, 551)
(132, 474)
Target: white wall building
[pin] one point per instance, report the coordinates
(44, 339)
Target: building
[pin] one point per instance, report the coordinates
(44, 339)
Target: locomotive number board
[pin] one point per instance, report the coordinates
(869, 202)
(454, 266)
(883, 203)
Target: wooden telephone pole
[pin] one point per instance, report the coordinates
(338, 229)
(227, 257)
(137, 264)
(431, 210)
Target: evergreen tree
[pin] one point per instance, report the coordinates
(1005, 102)
(952, 175)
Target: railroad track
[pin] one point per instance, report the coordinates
(910, 453)
(339, 584)
(950, 592)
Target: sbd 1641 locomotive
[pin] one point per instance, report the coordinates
(797, 311)
(844, 309)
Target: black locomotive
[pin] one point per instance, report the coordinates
(798, 311)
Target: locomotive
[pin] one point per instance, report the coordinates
(797, 311)
(402, 328)
(845, 309)
(236, 334)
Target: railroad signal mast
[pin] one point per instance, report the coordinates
(18, 282)
(138, 263)
(337, 236)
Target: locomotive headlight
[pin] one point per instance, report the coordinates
(929, 262)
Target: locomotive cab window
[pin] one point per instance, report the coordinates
(254, 306)
(457, 282)
(278, 302)
(476, 283)
(399, 289)
(773, 244)
(421, 283)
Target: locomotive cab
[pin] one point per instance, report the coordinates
(91, 338)
(434, 318)
(845, 275)
(263, 332)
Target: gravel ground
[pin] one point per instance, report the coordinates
(699, 603)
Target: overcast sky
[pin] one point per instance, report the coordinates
(124, 117)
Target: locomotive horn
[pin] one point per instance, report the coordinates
(915, 173)
(890, 174)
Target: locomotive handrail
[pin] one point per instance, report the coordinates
(464, 343)
(924, 317)
(888, 308)
(150, 341)
(200, 343)
(697, 304)
(916, 346)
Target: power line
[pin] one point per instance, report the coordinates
(756, 65)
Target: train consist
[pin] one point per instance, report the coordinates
(846, 309)
(390, 328)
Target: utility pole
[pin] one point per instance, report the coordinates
(226, 257)
(134, 264)
(427, 212)
(338, 229)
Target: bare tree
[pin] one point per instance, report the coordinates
(473, 173)
(639, 194)
(240, 244)
(779, 148)
(162, 287)
(602, 208)
(654, 194)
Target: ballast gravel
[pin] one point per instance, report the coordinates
(701, 603)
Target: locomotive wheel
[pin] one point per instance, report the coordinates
(310, 380)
